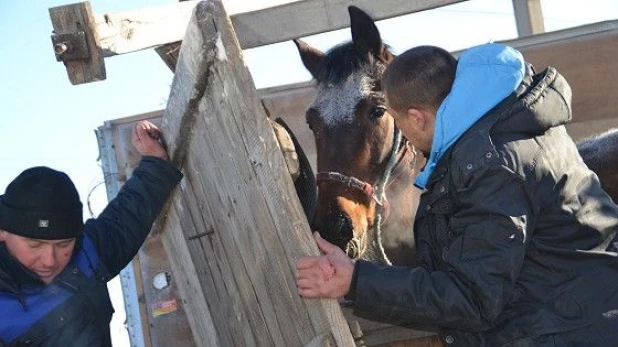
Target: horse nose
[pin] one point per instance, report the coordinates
(337, 228)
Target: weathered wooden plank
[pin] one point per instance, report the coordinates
(187, 276)
(576, 33)
(587, 59)
(123, 32)
(246, 227)
(528, 17)
(74, 19)
(130, 31)
(308, 17)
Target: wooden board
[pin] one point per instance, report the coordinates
(528, 17)
(242, 225)
(586, 57)
(130, 31)
(74, 19)
(111, 34)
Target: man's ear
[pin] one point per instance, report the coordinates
(418, 118)
(3, 235)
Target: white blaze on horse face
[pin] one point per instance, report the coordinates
(336, 103)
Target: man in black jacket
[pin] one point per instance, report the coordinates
(54, 268)
(514, 232)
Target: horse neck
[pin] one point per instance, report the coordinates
(400, 191)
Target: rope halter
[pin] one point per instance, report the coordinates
(376, 192)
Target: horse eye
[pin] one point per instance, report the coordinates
(378, 111)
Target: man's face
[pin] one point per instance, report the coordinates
(416, 126)
(46, 258)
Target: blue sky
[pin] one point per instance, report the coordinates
(47, 121)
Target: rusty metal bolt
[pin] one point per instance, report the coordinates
(61, 48)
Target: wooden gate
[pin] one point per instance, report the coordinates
(231, 246)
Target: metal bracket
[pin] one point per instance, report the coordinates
(71, 46)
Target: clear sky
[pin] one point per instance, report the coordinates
(47, 121)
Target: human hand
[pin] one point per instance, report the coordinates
(146, 137)
(327, 276)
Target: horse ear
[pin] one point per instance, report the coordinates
(311, 57)
(365, 33)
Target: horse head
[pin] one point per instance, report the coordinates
(366, 199)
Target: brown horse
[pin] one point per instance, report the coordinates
(366, 199)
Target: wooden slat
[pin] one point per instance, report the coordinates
(169, 54)
(586, 57)
(309, 17)
(528, 17)
(575, 33)
(130, 31)
(70, 19)
(242, 226)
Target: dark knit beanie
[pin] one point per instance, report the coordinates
(41, 203)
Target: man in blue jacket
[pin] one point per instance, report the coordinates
(515, 235)
(54, 268)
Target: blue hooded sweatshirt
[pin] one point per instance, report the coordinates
(485, 76)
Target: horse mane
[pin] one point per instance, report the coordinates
(346, 59)
(599, 153)
(598, 148)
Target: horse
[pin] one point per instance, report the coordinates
(366, 170)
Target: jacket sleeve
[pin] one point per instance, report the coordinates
(122, 227)
(483, 259)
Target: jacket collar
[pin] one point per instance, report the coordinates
(13, 275)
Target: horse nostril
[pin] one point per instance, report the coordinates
(338, 228)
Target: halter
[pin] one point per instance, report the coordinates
(377, 191)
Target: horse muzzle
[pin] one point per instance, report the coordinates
(337, 228)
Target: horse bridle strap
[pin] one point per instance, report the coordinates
(376, 192)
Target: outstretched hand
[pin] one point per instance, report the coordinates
(327, 276)
(146, 137)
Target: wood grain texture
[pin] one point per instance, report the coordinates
(242, 225)
(130, 31)
(74, 18)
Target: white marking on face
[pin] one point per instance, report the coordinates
(336, 103)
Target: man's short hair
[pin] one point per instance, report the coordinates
(421, 77)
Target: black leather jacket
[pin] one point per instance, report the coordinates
(511, 234)
(75, 309)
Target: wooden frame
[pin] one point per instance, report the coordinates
(126, 32)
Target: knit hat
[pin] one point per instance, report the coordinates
(41, 203)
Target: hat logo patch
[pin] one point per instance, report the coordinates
(43, 223)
